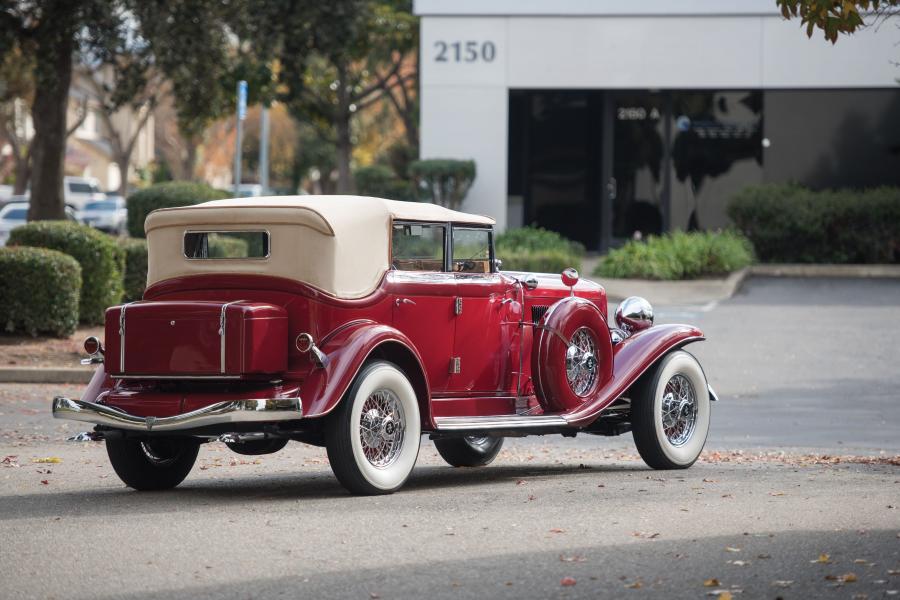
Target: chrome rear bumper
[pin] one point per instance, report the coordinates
(231, 411)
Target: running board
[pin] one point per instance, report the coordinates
(498, 422)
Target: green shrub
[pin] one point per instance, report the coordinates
(443, 181)
(135, 279)
(227, 247)
(39, 291)
(678, 255)
(379, 181)
(789, 223)
(102, 261)
(536, 249)
(166, 195)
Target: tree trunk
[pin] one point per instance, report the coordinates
(344, 154)
(189, 164)
(51, 95)
(123, 160)
(22, 170)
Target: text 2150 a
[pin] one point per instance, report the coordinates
(469, 52)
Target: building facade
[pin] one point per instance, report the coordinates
(598, 119)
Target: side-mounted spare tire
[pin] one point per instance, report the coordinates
(572, 355)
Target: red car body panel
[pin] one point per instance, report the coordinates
(422, 321)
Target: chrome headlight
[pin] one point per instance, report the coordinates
(634, 314)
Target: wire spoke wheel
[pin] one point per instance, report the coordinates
(381, 428)
(679, 410)
(581, 361)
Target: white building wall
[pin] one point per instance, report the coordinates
(601, 44)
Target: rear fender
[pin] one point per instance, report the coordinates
(631, 359)
(348, 349)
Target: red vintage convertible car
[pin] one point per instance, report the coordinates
(360, 324)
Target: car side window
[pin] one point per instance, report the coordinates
(418, 247)
(471, 250)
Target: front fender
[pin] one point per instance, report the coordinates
(631, 358)
(347, 351)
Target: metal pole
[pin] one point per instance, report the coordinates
(264, 150)
(241, 113)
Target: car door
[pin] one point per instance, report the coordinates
(486, 343)
(423, 295)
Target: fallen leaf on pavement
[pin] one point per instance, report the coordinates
(763, 556)
(711, 583)
(49, 459)
(45, 482)
(823, 558)
(10, 461)
(739, 563)
(567, 581)
(572, 558)
(557, 530)
(645, 535)
(521, 482)
(710, 481)
(732, 549)
(720, 594)
(776, 493)
(634, 586)
(845, 578)
(783, 583)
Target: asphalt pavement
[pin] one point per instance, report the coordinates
(796, 497)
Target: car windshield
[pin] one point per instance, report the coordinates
(102, 205)
(16, 214)
(83, 188)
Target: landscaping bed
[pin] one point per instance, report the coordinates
(25, 351)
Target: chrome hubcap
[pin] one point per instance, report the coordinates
(381, 427)
(679, 410)
(581, 361)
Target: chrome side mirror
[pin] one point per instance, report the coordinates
(530, 282)
(498, 264)
(569, 278)
(634, 314)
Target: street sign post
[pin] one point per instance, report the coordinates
(241, 115)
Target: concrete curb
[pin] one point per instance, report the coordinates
(848, 271)
(45, 375)
(675, 293)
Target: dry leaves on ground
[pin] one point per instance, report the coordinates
(567, 581)
(48, 459)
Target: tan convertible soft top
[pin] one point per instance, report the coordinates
(338, 244)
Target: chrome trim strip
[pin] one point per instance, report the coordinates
(175, 376)
(222, 322)
(232, 411)
(122, 335)
(498, 422)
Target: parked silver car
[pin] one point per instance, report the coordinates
(108, 215)
(16, 213)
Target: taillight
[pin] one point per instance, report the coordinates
(93, 346)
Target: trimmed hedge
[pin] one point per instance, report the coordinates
(789, 223)
(102, 261)
(135, 279)
(39, 291)
(227, 247)
(379, 181)
(166, 195)
(535, 249)
(678, 255)
(444, 181)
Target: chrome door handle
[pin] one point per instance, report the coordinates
(400, 301)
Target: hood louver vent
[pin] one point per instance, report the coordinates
(537, 312)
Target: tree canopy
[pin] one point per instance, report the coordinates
(835, 17)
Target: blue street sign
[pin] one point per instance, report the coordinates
(242, 100)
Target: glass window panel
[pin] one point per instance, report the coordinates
(226, 244)
(471, 250)
(417, 247)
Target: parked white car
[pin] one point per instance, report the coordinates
(12, 215)
(78, 191)
(16, 213)
(109, 215)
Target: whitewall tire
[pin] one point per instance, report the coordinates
(670, 412)
(373, 436)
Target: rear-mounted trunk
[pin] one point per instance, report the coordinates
(191, 339)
